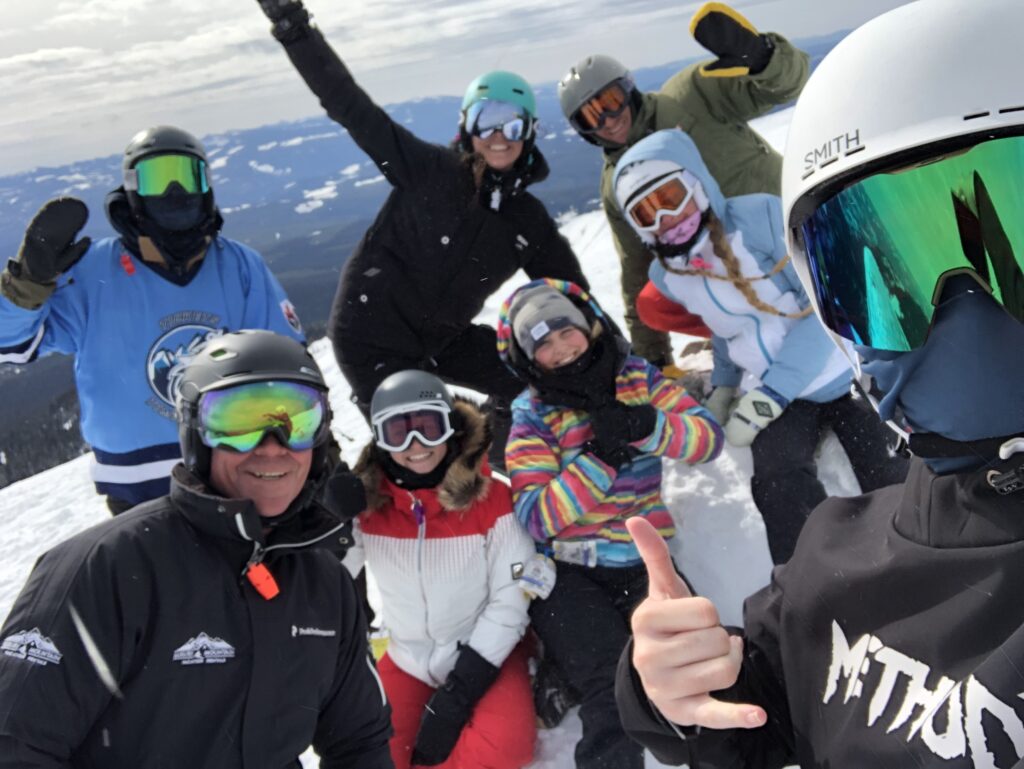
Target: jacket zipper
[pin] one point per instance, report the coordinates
(419, 514)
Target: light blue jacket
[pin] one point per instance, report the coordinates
(128, 328)
(794, 357)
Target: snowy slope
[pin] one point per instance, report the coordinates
(721, 545)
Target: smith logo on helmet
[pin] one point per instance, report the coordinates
(831, 151)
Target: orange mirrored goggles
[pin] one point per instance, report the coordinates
(607, 103)
(668, 197)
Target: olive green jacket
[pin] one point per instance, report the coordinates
(714, 111)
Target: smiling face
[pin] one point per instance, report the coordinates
(560, 348)
(420, 459)
(498, 152)
(270, 475)
(616, 129)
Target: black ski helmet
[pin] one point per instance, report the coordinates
(236, 358)
(162, 140)
(407, 388)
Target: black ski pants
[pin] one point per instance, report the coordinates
(470, 361)
(584, 626)
(785, 483)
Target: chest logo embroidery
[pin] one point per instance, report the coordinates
(204, 650)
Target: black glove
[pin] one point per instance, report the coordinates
(49, 248)
(740, 48)
(290, 18)
(344, 494)
(615, 427)
(618, 424)
(451, 706)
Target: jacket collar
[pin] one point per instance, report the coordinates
(960, 510)
(237, 520)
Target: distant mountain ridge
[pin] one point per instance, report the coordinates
(302, 194)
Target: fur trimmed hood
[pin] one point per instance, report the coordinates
(468, 476)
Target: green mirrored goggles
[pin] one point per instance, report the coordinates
(880, 250)
(153, 175)
(239, 418)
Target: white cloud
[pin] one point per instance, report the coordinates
(211, 66)
(374, 180)
(267, 168)
(308, 206)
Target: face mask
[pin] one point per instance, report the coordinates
(684, 231)
(175, 212)
(966, 382)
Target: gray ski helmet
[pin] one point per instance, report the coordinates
(408, 388)
(588, 76)
(236, 358)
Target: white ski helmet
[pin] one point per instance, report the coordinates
(922, 81)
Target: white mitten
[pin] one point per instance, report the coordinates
(720, 403)
(754, 412)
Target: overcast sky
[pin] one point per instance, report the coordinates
(80, 77)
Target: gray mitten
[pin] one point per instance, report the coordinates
(720, 403)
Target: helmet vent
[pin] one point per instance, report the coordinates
(223, 354)
(1007, 110)
(975, 115)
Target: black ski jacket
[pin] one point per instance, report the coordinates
(894, 638)
(137, 644)
(435, 253)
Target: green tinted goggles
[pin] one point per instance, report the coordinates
(880, 250)
(239, 418)
(152, 176)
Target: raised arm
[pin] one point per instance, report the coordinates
(400, 156)
(39, 312)
(753, 72)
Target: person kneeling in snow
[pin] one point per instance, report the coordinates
(447, 552)
(724, 258)
(206, 628)
(584, 455)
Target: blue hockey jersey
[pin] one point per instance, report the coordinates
(130, 330)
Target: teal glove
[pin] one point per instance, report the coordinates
(754, 412)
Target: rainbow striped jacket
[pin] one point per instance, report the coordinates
(563, 493)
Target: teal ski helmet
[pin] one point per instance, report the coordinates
(500, 86)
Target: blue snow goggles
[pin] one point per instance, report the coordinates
(880, 251)
(428, 422)
(152, 176)
(488, 116)
(239, 418)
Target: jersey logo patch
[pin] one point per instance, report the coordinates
(184, 334)
(204, 650)
(33, 646)
(288, 310)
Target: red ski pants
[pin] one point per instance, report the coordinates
(500, 734)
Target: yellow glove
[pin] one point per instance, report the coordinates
(740, 48)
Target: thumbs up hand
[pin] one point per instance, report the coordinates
(680, 649)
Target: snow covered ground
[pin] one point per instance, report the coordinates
(721, 544)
